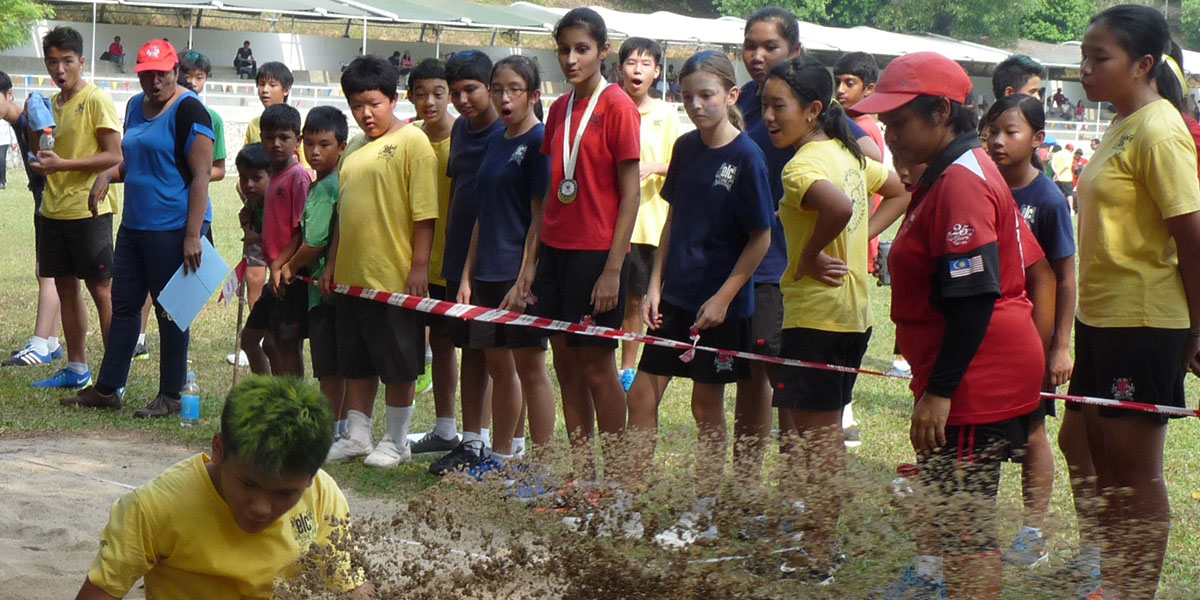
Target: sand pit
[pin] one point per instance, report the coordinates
(55, 493)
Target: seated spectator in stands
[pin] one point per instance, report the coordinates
(406, 64)
(394, 59)
(247, 67)
(115, 54)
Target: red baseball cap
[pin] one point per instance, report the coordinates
(912, 75)
(156, 55)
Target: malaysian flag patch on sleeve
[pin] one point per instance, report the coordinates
(961, 267)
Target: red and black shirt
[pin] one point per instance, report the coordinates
(962, 317)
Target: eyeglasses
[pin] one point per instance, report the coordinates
(512, 92)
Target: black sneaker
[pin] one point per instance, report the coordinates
(432, 443)
(162, 406)
(464, 456)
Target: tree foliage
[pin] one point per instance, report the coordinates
(812, 11)
(1058, 21)
(19, 16)
(987, 21)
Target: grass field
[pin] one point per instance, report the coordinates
(871, 533)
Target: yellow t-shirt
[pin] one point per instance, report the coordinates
(660, 129)
(76, 136)
(253, 132)
(179, 534)
(809, 303)
(1143, 172)
(388, 184)
(444, 183)
(1061, 163)
(254, 136)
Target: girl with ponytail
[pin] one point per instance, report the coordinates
(717, 231)
(1137, 328)
(826, 307)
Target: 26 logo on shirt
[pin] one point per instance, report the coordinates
(960, 234)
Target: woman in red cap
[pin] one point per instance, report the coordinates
(1137, 328)
(962, 317)
(168, 150)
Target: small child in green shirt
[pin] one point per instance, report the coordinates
(324, 137)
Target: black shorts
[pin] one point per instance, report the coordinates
(322, 340)
(641, 262)
(963, 478)
(766, 324)
(490, 294)
(80, 248)
(289, 314)
(253, 252)
(802, 388)
(563, 287)
(378, 340)
(705, 367)
(1139, 364)
(468, 335)
(1045, 409)
(1066, 187)
(260, 312)
(37, 236)
(439, 292)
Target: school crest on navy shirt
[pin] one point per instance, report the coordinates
(1029, 213)
(518, 155)
(726, 175)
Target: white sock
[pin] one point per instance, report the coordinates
(901, 364)
(501, 457)
(930, 566)
(141, 338)
(485, 434)
(518, 445)
(358, 426)
(52, 343)
(1027, 529)
(398, 418)
(848, 416)
(470, 436)
(445, 428)
(77, 368)
(340, 428)
(428, 355)
(40, 345)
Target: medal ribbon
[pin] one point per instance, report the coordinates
(571, 155)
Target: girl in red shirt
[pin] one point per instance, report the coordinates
(575, 251)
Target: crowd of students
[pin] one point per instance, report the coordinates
(752, 233)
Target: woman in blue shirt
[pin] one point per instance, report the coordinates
(168, 150)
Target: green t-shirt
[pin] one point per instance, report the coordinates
(218, 126)
(319, 212)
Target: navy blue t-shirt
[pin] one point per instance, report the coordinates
(1049, 216)
(718, 196)
(750, 103)
(466, 152)
(37, 182)
(513, 172)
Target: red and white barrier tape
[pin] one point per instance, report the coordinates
(470, 312)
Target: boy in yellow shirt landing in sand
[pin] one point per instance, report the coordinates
(228, 526)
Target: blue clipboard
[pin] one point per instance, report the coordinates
(185, 295)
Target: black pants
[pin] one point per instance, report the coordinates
(4, 164)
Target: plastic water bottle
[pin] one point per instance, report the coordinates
(189, 413)
(47, 140)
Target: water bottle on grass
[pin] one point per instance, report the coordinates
(189, 413)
